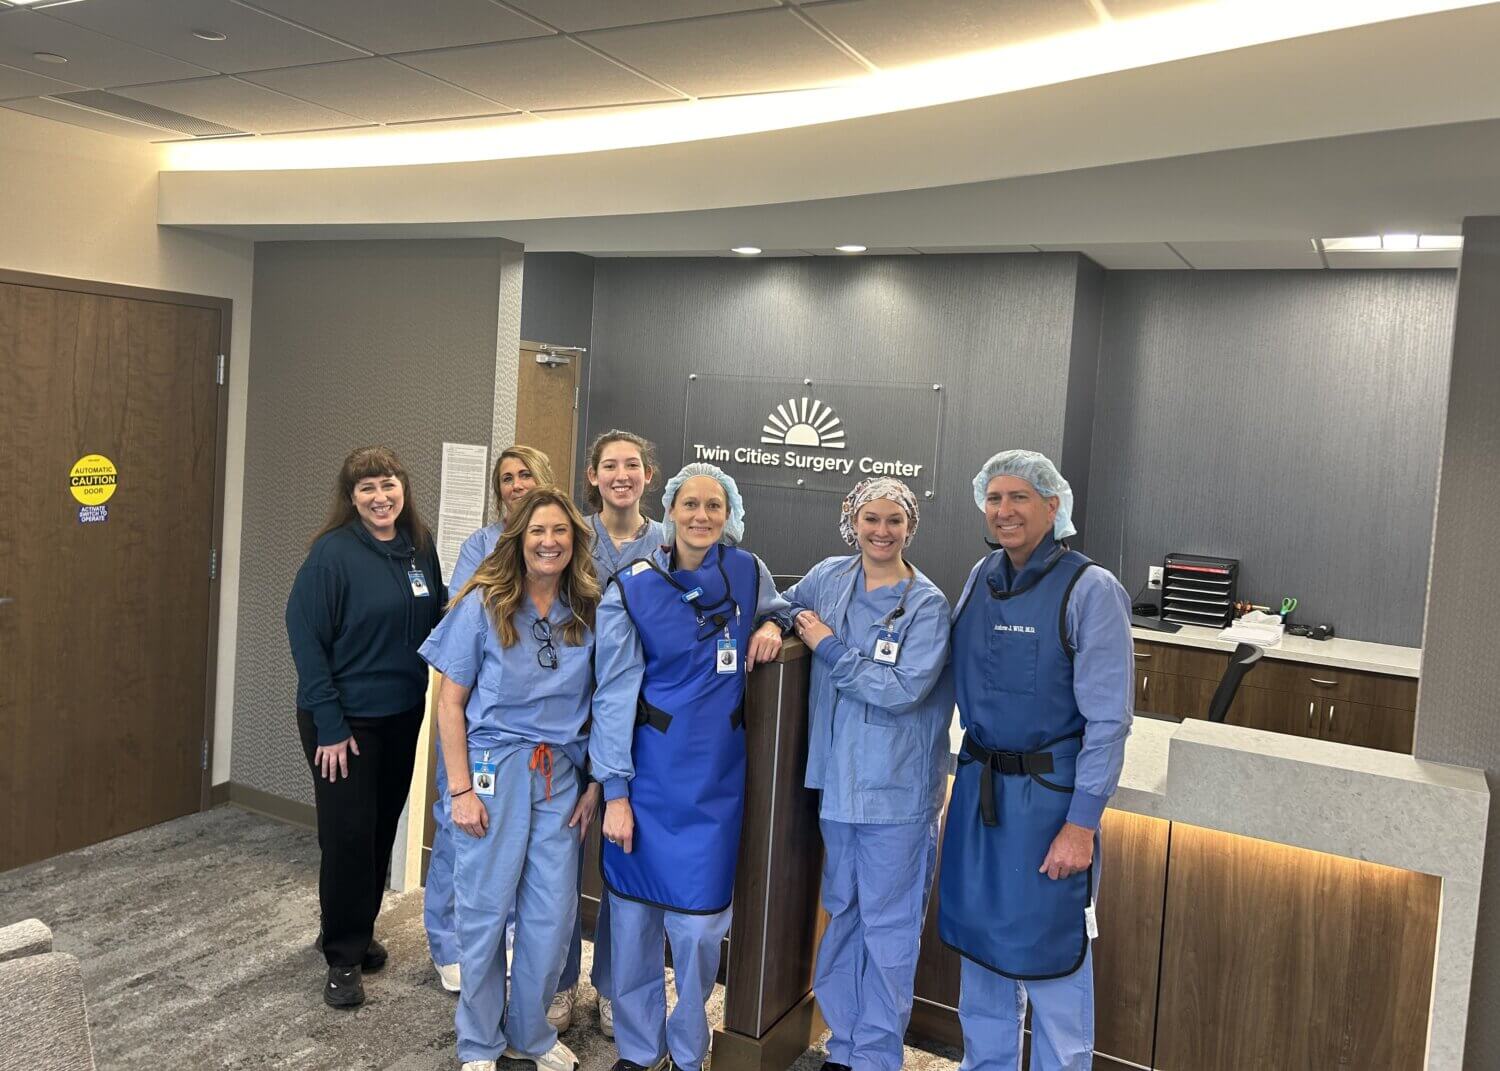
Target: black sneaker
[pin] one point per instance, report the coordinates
(829, 1065)
(626, 1065)
(375, 955)
(345, 988)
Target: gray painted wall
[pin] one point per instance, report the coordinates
(353, 343)
(557, 299)
(995, 330)
(1457, 711)
(1289, 419)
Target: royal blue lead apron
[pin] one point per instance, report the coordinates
(688, 794)
(1023, 731)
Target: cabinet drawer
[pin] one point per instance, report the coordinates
(1327, 682)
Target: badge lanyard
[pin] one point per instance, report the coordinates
(416, 579)
(726, 654)
(888, 640)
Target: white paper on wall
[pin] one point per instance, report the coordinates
(461, 500)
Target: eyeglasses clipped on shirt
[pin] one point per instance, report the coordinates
(541, 631)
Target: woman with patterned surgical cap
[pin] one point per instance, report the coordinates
(877, 752)
(677, 632)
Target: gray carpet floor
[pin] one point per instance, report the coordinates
(196, 943)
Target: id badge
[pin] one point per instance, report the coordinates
(418, 583)
(887, 647)
(484, 778)
(728, 660)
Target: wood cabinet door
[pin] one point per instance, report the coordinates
(1167, 693)
(1385, 728)
(1277, 712)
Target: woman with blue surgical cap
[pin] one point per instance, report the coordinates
(878, 753)
(678, 630)
(516, 655)
(1044, 672)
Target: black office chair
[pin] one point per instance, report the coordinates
(1240, 662)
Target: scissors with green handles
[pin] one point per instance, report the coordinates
(1288, 604)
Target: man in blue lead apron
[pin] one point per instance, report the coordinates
(1044, 673)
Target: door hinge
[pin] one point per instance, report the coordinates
(213, 563)
(219, 374)
(205, 754)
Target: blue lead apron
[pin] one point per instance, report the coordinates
(688, 794)
(1023, 730)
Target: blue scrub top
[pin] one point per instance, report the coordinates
(514, 699)
(608, 560)
(475, 550)
(878, 734)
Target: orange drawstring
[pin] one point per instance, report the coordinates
(541, 759)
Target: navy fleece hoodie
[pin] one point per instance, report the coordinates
(355, 626)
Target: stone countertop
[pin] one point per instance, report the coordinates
(1341, 653)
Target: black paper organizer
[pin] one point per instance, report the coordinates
(1198, 590)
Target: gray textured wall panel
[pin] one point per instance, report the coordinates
(995, 330)
(1458, 714)
(1288, 419)
(353, 343)
(557, 299)
(1083, 376)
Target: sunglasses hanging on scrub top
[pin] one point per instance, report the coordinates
(541, 631)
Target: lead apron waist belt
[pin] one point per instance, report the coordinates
(995, 907)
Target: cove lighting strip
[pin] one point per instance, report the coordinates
(1117, 45)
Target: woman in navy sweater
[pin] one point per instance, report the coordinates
(362, 604)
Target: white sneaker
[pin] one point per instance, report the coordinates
(607, 1018)
(560, 1011)
(479, 1065)
(448, 975)
(557, 1058)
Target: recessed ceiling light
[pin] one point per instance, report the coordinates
(1363, 244)
(1399, 243)
(1441, 241)
(210, 35)
(49, 57)
(850, 248)
(746, 250)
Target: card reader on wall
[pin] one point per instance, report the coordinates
(1199, 590)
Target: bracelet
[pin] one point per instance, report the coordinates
(455, 795)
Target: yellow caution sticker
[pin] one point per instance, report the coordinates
(93, 479)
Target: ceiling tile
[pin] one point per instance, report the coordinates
(576, 15)
(1418, 259)
(232, 102)
(1291, 253)
(751, 52)
(66, 113)
(94, 61)
(896, 33)
(470, 125)
(377, 89)
(387, 26)
(16, 83)
(933, 249)
(255, 40)
(1124, 255)
(548, 72)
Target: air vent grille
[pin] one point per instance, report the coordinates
(125, 108)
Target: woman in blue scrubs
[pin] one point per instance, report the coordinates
(677, 632)
(519, 469)
(878, 754)
(622, 465)
(516, 654)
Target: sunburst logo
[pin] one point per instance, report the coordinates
(804, 422)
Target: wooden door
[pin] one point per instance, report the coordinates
(1366, 726)
(547, 382)
(1278, 712)
(1276, 957)
(107, 628)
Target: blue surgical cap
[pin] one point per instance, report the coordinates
(1036, 470)
(734, 526)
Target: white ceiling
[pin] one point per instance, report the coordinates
(311, 63)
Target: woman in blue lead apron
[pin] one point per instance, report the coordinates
(622, 465)
(878, 754)
(1044, 672)
(516, 653)
(518, 469)
(677, 633)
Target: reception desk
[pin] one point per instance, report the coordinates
(1266, 902)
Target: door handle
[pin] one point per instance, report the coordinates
(1310, 708)
(1330, 717)
(1325, 684)
(1145, 684)
(1143, 654)
(6, 600)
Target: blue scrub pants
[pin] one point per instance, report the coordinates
(644, 1033)
(526, 862)
(992, 1009)
(437, 905)
(599, 975)
(876, 879)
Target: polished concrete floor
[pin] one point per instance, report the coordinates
(196, 943)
